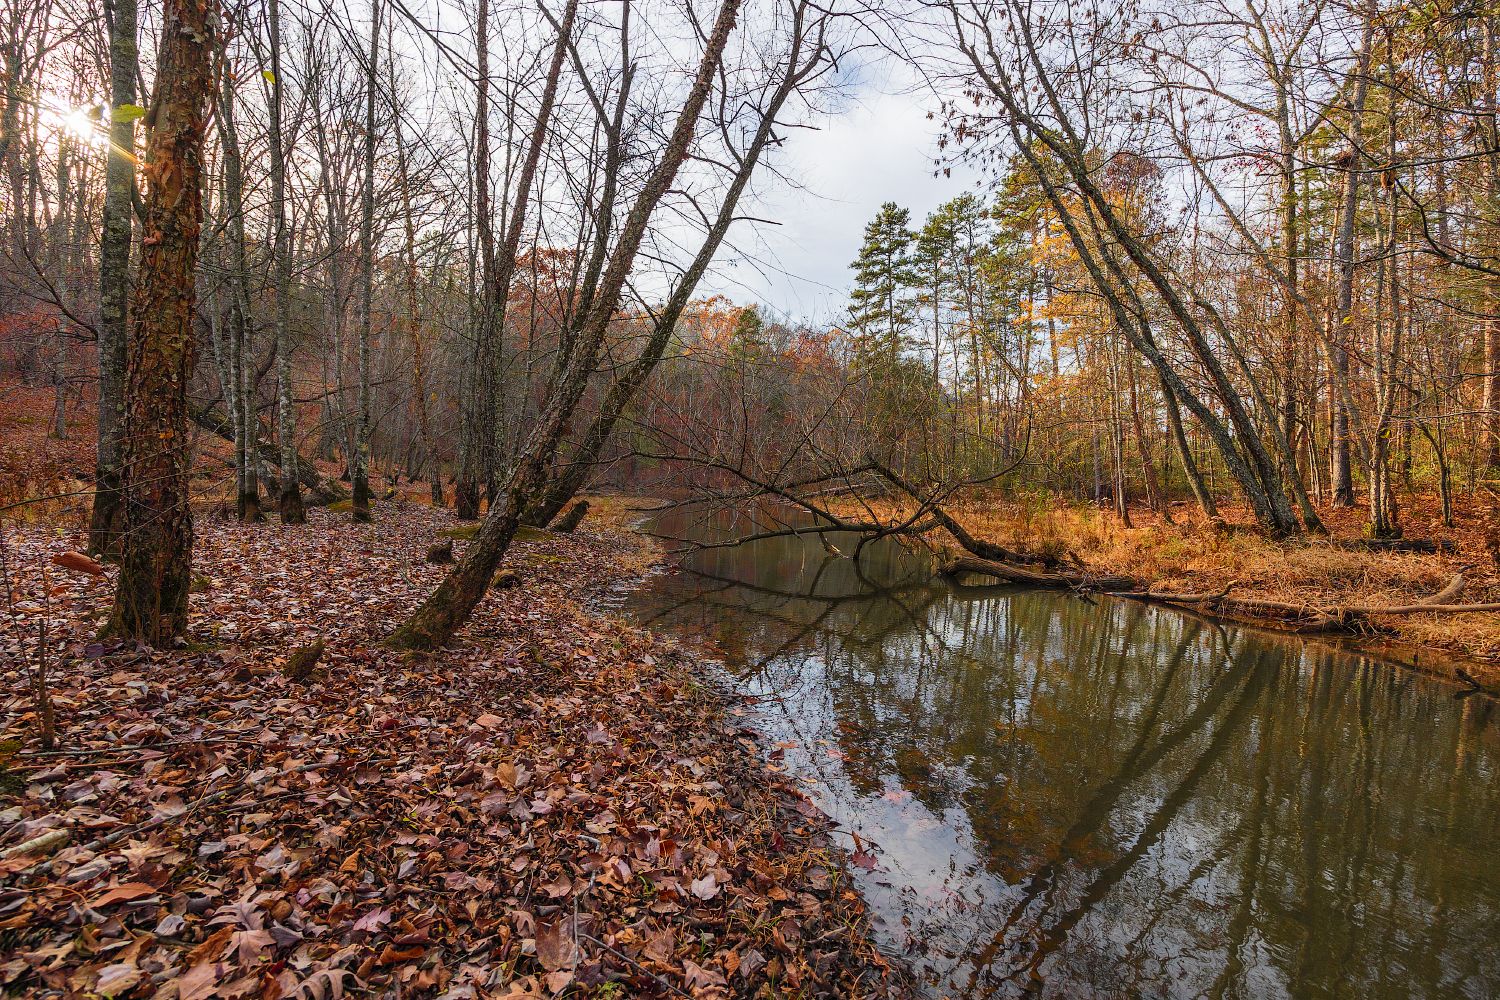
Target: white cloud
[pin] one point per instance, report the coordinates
(879, 149)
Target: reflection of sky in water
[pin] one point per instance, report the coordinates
(1092, 797)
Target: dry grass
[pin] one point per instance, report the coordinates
(1191, 556)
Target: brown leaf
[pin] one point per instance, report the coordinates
(660, 945)
(555, 946)
(393, 955)
(78, 563)
(705, 888)
(116, 979)
(751, 962)
(562, 886)
(200, 981)
(697, 977)
(123, 893)
(211, 948)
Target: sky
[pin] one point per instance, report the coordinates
(879, 148)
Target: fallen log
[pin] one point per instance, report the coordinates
(1312, 618)
(1055, 579)
(1420, 546)
(320, 491)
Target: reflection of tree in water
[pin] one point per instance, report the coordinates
(1151, 804)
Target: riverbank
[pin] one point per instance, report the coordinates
(1192, 556)
(560, 805)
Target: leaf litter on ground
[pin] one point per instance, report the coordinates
(558, 805)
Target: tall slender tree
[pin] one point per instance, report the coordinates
(290, 499)
(360, 466)
(114, 275)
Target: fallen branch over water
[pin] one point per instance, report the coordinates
(1056, 579)
(1312, 618)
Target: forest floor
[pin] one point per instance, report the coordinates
(1191, 556)
(561, 804)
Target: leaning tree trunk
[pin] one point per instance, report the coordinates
(151, 598)
(567, 480)
(451, 604)
(114, 279)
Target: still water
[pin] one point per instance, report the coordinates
(1087, 797)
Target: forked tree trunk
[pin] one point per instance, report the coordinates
(108, 518)
(567, 480)
(151, 598)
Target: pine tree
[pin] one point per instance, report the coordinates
(883, 305)
(747, 340)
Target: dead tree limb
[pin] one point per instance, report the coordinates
(1053, 579)
(1312, 618)
(322, 491)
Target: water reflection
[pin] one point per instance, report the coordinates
(1090, 797)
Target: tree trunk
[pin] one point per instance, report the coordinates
(151, 599)
(1343, 317)
(1185, 452)
(454, 600)
(360, 468)
(114, 279)
(413, 319)
(477, 396)
(290, 499)
(241, 322)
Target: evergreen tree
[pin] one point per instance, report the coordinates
(882, 307)
(747, 340)
(933, 264)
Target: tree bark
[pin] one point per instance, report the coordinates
(108, 518)
(413, 319)
(241, 323)
(151, 598)
(1341, 467)
(290, 500)
(360, 467)
(1489, 348)
(477, 395)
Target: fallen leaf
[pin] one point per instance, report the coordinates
(697, 977)
(78, 563)
(556, 947)
(123, 893)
